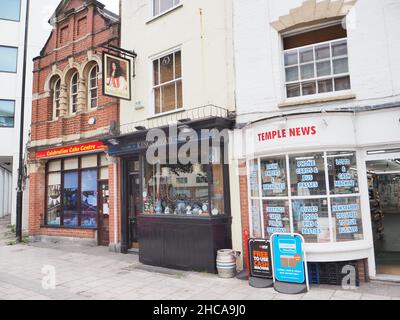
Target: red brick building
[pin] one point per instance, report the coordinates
(69, 171)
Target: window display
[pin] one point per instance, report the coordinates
(342, 172)
(322, 211)
(72, 192)
(185, 190)
(307, 175)
(276, 217)
(273, 177)
(311, 220)
(347, 215)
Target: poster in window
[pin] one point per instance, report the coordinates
(116, 77)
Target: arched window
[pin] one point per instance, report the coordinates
(55, 92)
(74, 93)
(93, 87)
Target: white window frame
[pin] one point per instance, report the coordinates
(56, 97)
(90, 88)
(153, 15)
(72, 94)
(160, 85)
(290, 198)
(315, 79)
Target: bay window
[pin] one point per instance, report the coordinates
(313, 194)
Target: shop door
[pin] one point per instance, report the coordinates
(134, 203)
(104, 225)
(384, 193)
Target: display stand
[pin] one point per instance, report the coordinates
(261, 283)
(290, 288)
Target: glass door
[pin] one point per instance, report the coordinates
(384, 193)
(134, 202)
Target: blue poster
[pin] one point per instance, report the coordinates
(288, 259)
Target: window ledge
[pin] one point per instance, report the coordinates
(67, 228)
(164, 13)
(296, 102)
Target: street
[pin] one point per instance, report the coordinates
(94, 273)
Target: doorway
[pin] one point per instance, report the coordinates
(384, 193)
(104, 214)
(133, 203)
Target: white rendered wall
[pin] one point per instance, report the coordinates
(373, 41)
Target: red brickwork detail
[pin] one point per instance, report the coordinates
(93, 32)
(244, 201)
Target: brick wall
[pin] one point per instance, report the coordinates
(244, 202)
(76, 48)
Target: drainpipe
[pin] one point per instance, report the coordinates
(21, 134)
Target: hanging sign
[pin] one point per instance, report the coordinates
(116, 76)
(71, 150)
(260, 258)
(289, 263)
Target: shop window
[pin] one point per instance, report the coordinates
(316, 62)
(167, 87)
(72, 191)
(55, 93)
(346, 213)
(180, 189)
(311, 219)
(307, 175)
(161, 6)
(89, 199)
(322, 211)
(10, 10)
(93, 87)
(273, 177)
(276, 217)
(7, 112)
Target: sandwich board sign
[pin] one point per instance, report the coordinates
(289, 263)
(260, 263)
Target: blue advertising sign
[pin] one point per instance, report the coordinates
(288, 258)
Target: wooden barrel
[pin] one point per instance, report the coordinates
(226, 263)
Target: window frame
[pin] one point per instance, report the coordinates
(19, 14)
(329, 196)
(62, 172)
(316, 79)
(56, 99)
(160, 85)
(72, 95)
(90, 88)
(16, 59)
(153, 15)
(14, 103)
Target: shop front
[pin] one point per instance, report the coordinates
(76, 193)
(174, 213)
(308, 174)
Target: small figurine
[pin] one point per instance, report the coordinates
(167, 210)
(189, 210)
(215, 212)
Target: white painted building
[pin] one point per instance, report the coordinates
(12, 17)
(318, 97)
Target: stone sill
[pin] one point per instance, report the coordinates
(294, 103)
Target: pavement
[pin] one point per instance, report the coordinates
(48, 271)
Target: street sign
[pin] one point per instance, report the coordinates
(289, 263)
(260, 258)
